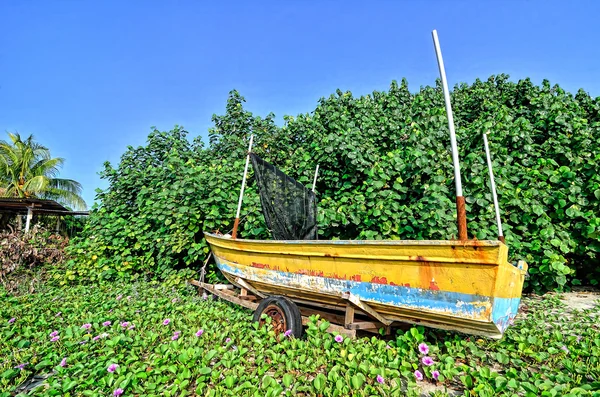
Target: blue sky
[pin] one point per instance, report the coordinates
(89, 78)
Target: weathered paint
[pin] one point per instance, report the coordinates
(449, 284)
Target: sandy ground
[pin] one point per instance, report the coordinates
(581, 300)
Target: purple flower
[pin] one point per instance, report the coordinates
(379, 379)
(200, 332)
(112, 368)
(173, 300)
(53, 334)
(12, 320)
(388, 346)
(227, 340)
(339, 338)
(63, 362)
(58, 314)
(55, 338)
(86, 326)
(418, 375)
(132, 326)
(176, 335)
(21, 366)
(107, 323)
(119, 297)
(287, 333)
(95, 338)
(83, 342)
(435, 374)
(565, 349)
(167, 321)
(427, 361)
(204, 296)
(125, 324)
(129, 298)
(423, 348)
(118, 392)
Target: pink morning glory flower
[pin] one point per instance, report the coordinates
(86, 326)
(204, 296)
(173, 300)
(427, 361)
(107, 323)
(418, 375)
(53, 334)
(119, 297)
(200, 332)
(55, 338)
(132, 326)
(287, 333)
(435, 374)
(21, 366)
(12, 320)
(227, 340)
(112, 368)
(58, 314)
(63, 362)
(565, 349)
(423, 348)
(175, 335)
(95, 338)
(339, 338)
(125, 324)
(379, 379)
(118, 392)
(167, 321)
(388, 346)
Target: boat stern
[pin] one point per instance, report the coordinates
(507, 297)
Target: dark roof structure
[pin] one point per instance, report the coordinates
(37, 206)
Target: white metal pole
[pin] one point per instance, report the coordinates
(462, 222)
(28, 221)
(315, 180)
(493, 184)
(239, 208)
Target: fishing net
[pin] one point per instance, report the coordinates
(289, 208)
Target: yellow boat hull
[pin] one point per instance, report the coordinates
(463, 286)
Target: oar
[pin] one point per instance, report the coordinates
(239, 208)
(493, 184)
(460, 200)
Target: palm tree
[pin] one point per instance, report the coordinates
(27, 170)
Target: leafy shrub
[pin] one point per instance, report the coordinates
(385, 173)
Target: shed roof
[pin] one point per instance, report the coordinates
(21, 205)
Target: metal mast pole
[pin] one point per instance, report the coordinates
(460, 200)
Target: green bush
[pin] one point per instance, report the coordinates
(385, 173)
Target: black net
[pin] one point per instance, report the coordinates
(289, 208)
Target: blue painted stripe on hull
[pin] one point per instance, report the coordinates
(504, 311)
(448, 303)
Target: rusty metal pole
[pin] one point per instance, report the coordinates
(460, 200)
(493, 185)
(236, 223)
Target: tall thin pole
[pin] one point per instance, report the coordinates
(315, 180)
(236, 223)
(460, 200)
(493, 184)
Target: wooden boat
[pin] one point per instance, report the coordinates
(462, 285)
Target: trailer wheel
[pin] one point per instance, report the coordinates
(283, 314)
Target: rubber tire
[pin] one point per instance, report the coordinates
(290, 310)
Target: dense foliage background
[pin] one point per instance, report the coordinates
(385, 173)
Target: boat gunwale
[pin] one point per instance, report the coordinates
(466, 243)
